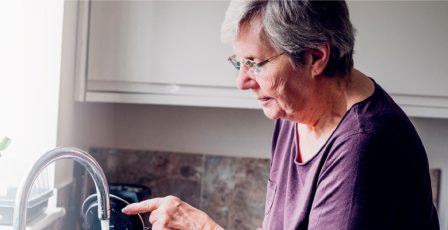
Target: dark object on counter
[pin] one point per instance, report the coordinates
(118, 220)
(132, 193)
(129, 192)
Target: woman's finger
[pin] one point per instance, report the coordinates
(153, 217)
(142, 207)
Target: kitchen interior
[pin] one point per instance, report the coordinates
(145, 88)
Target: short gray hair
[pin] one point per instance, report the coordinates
(295, 26)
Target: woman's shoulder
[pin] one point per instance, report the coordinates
(377, 113)
(376, 123)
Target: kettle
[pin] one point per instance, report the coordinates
(120, 196)
(118, 220)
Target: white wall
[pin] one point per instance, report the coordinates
(434, 134)
(79, 125)
(228, 132)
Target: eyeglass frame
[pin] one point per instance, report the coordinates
(253, 66)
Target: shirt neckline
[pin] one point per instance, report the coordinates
(319, 152)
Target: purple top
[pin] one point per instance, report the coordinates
(372, 173)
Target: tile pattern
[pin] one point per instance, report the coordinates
(165, 173)
(234, 191)
(231, 190)
(435, 185)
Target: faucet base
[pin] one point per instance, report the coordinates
(118, 220)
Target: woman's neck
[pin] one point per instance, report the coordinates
(335, 96)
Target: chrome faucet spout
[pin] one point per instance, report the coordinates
(86, 160)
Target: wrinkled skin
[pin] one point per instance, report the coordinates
(172, 213)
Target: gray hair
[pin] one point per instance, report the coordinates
(295, 26)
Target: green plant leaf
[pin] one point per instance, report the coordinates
(4, 143)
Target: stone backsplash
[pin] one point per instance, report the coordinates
(231, 190)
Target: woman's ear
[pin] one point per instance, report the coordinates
(320, 57)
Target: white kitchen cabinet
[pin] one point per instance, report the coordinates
(158, 52)
(403, 45)
(169, 52)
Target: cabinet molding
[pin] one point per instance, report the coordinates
(169, 94)
(82, 35)
(423, 106)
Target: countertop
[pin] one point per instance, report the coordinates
(47, 218)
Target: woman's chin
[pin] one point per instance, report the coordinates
(273, 113)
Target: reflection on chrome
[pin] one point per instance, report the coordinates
(87, 161)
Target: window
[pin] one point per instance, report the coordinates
(30, 57)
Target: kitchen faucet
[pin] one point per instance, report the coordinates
(94, 169)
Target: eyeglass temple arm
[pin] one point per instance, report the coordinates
(270, 59)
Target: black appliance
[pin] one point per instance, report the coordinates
(120, 196)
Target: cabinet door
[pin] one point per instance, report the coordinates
(403, 45)
(121, 41)
(162, 42)
(189, 50)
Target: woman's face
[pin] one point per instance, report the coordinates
(282, 91)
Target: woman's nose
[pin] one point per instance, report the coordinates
(245, 80)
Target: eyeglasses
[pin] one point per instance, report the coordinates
(254, 67)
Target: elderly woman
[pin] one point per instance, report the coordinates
(344, 155)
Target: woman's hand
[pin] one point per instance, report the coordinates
(172, 213)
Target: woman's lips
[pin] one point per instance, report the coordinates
(264, 100)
